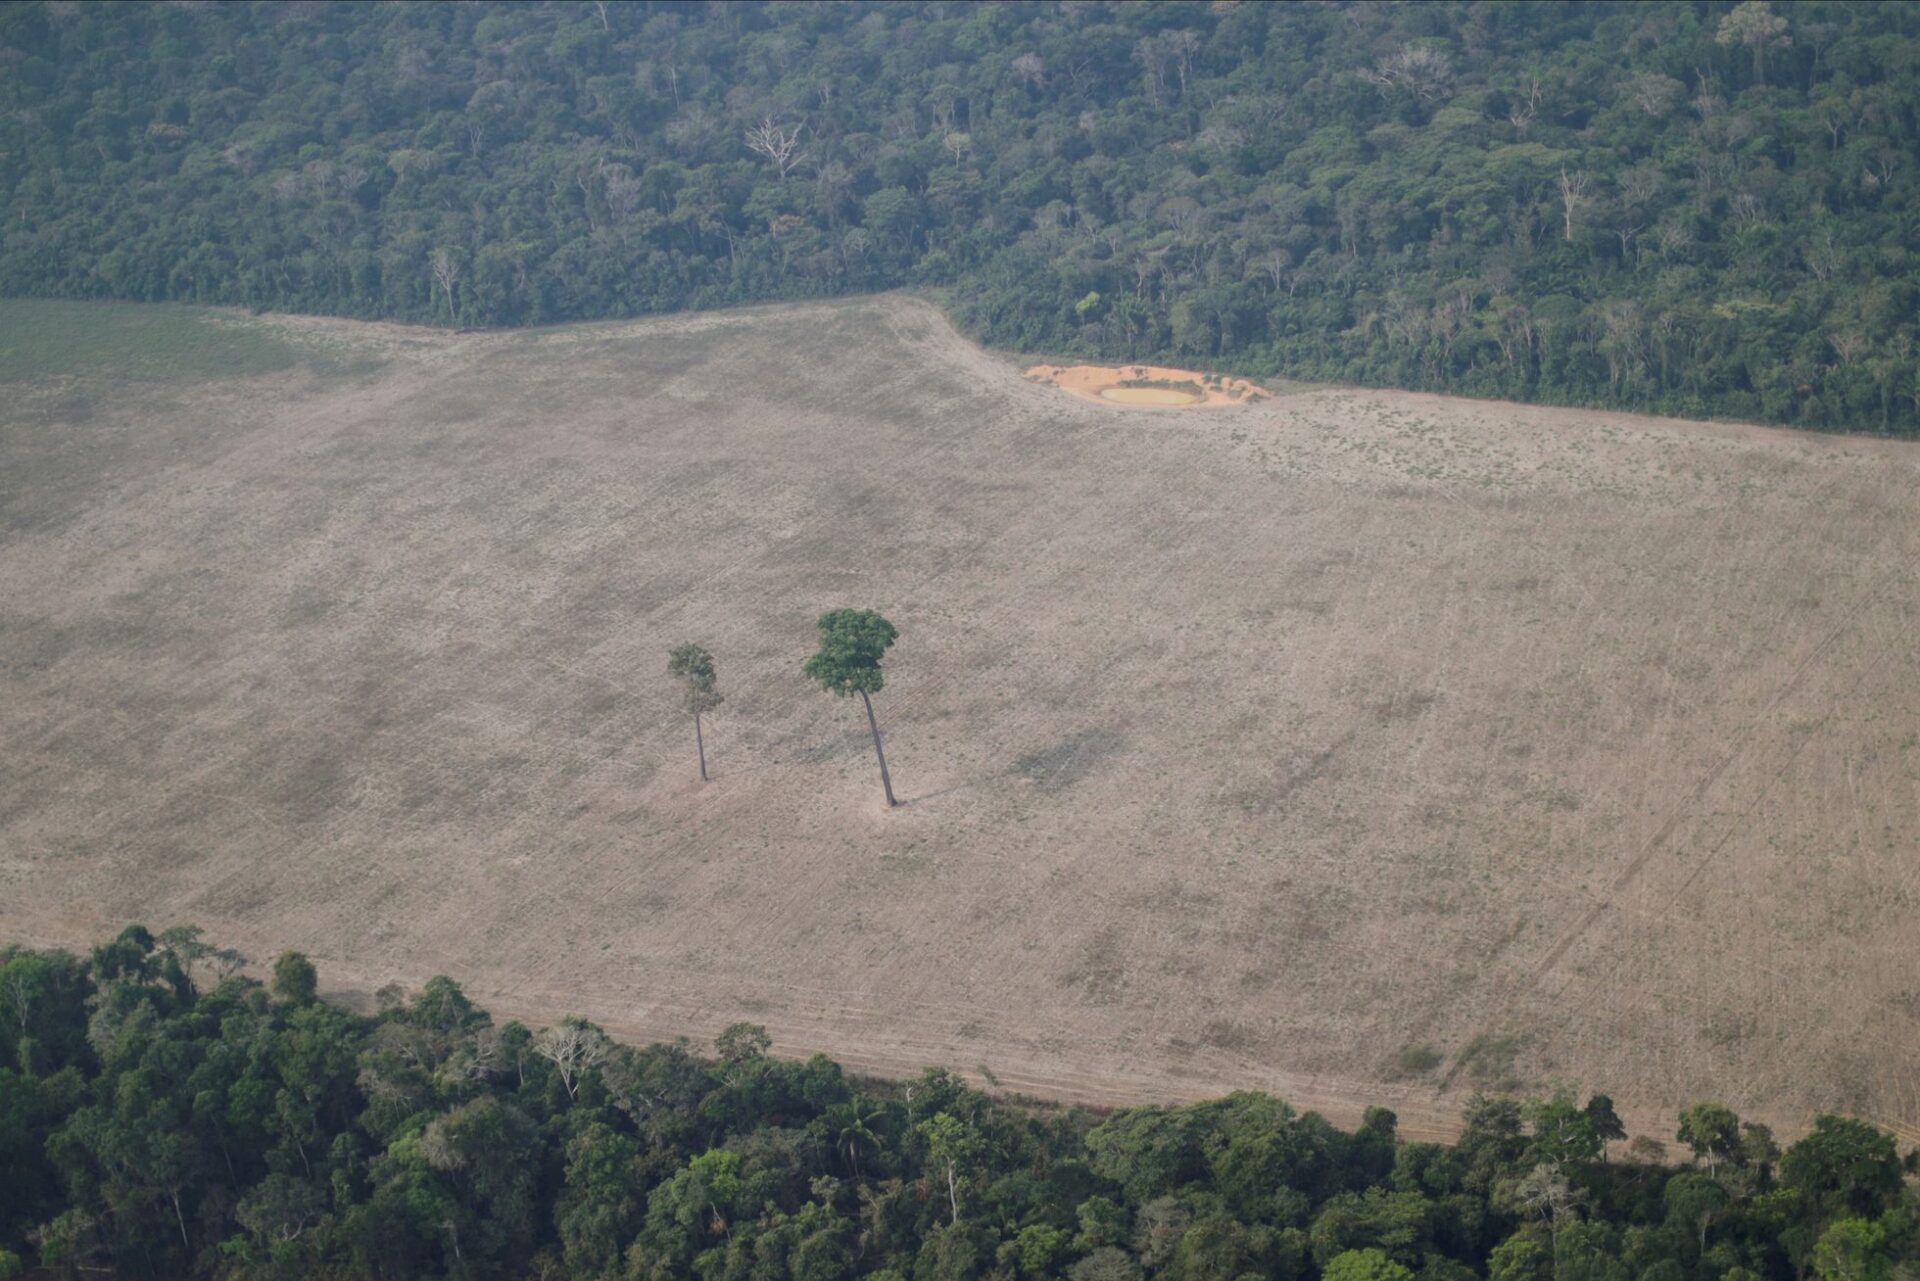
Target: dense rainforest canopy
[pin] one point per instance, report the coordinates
(1685, 207)
(162, 1117)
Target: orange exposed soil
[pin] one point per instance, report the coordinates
(1149, 386)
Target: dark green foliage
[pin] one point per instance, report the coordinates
(693, 667)
(1845, 1164)
(852, 643)
(294, 979)
(157, 1129)
(1685, 207)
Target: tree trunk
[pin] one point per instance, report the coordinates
(700, 742)
(953, 1194)
(886, 780)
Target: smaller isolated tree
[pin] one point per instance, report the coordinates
(852, 642)
(692, 666)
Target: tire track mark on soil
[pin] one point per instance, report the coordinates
(1638, 863)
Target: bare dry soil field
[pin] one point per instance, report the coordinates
(1268, 746)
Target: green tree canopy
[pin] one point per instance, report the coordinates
(852, 643)
(216, 1133)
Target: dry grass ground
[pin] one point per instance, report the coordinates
(1254, 747)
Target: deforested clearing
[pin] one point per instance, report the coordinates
(1357, 746)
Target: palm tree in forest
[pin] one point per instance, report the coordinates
(853, 1128)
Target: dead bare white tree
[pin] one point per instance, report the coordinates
(1151, 54)
(1624, 232)
(1183, 46)
(574, 1047)
(1277, 266)
(1573, 194)
(1516, 333)
(1654, 93)
(778, 143)
(1419, 70)
(1748, 209)
(624, 194)
(1849, 345)
(1521, 114)
(1545, 1191)
(446, 274)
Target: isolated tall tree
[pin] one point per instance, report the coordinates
(852, 642)
(692, 666)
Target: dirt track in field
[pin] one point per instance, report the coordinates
(1240, 749)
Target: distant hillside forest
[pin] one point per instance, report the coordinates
(163, 1117)
(1696, 208)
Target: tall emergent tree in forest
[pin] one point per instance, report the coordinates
(692, 666)
(852, 642)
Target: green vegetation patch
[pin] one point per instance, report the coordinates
(137, 342)
(1489, 1062)
(1184, 385)
(1414, 1060)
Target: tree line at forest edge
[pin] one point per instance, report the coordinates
(1702, 208)
(163, 1116)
